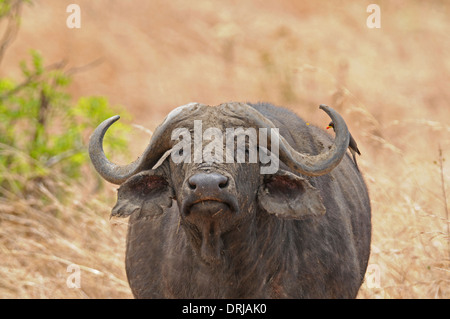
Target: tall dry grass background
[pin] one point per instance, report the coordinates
(390, 84)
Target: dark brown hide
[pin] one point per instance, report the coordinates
(224, 230)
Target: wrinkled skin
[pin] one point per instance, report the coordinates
(283, 235)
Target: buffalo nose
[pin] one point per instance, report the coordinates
(208, 183)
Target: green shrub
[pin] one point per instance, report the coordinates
(42, 131)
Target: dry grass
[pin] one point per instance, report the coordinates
(390, 84)
(41, 236)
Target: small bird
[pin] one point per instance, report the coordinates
(352, 146)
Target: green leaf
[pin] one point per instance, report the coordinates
(37, 62)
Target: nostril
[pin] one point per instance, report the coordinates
(192, 185)
(223, 184)
(192, 182)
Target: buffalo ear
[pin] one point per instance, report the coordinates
(146, 193)
(289, 196)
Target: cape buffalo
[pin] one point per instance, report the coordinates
(210, 227)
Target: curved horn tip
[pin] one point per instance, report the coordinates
(107, 123)
(101, 129)
(114, 118)
(329, 110)
(324, 107)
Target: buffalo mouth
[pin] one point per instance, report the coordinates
(209, 207)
